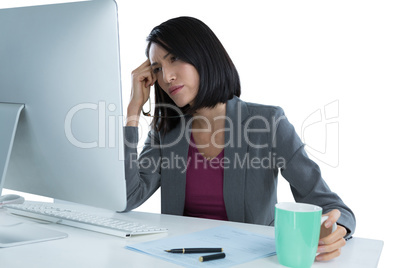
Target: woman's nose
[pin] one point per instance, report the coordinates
(169, 75)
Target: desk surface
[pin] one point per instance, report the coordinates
(90, 249)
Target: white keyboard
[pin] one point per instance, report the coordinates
(61, 214)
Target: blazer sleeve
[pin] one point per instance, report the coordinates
(143, 173)
(304, 175)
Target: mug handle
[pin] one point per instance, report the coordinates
(324, 218)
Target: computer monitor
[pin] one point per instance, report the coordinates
(61, 114)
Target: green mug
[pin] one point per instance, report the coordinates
(297, 231)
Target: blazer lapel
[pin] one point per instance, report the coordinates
(173, 184)
(236, 148)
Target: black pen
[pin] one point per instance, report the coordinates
(194, 250)
(212, 257)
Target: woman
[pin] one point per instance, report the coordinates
(213, 155)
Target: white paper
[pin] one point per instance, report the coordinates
(240, 246)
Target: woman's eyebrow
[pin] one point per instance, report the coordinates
(164, 57)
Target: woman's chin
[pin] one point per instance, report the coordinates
(182, 104)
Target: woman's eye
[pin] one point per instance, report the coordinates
(174, 58)
(156, 70)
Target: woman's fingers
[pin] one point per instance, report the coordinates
(333, 217)
(339, 233)
(328, 256)
(331, 243)
(142, 79)
(330, 246)
(143, 74)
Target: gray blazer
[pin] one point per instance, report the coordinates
(259, 141)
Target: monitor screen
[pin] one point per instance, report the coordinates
(61, 62)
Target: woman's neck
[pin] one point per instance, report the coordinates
(210, 118)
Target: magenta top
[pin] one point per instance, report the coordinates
(204, 186)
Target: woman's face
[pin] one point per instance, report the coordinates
(179, 79)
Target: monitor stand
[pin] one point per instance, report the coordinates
(9, 116)
(13, 231)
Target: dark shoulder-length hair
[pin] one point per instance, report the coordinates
(192, 41)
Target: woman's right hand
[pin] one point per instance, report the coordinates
(141, 81)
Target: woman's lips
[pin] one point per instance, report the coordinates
(175, 89)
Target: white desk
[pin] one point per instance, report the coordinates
(90, 249)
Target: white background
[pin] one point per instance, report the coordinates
(305, 56)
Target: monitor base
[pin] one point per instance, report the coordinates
(17, 233)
